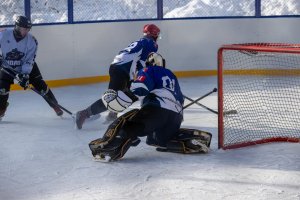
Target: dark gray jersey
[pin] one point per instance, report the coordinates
(19, 55)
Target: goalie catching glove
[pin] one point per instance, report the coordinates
(116, 101)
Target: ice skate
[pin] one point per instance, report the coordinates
(80, 117)
(58, 111)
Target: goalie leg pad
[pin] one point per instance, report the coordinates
(115, 142)
(203, 136)
(113, 150)
(189, 141)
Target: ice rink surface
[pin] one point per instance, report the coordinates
(43, 157)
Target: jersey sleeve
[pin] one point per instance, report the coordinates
(143, 84)
(30, 56)
(179, 93)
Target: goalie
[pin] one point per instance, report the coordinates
(159, 118)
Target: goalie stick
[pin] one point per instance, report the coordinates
(229, 112)
(202, 97)
(199, 104)
(4, 69)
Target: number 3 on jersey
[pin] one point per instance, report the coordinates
(130, 47)
(168, 83)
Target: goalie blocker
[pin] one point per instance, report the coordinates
(116, 141)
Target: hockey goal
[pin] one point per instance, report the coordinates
(259, 94)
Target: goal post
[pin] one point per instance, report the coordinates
(261, 83)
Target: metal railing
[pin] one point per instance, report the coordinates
(89, 11)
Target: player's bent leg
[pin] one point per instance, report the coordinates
(2, 111)
(40, 85)
(36, 79)
(115, 142)
(4, 94)
(53, 103)
(189, 141)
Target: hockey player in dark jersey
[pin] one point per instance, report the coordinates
(18, 51)
(159, 118)
(122, 70)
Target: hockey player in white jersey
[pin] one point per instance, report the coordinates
(122, 70)
(18, 51)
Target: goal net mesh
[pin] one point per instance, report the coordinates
(263, 87)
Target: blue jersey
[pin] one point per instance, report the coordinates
(158, 86)
(134, 56)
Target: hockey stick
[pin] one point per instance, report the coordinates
(229, 112)
(202, 97)
(4, 69)
(253, 53)
(199, 104)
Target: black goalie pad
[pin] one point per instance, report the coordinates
(189, 141)
(115, 142)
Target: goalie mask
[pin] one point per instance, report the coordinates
(155, 59)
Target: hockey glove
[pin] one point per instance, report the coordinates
(116, 101)
(23, 80)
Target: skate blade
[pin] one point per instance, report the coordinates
(102, 158)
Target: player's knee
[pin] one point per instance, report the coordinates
(39, 84)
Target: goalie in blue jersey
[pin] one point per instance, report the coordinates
(159, 118)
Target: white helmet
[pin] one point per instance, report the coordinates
(155, 59)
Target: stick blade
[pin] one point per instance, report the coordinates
(230, 112)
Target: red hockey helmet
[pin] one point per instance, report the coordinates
(151, 30)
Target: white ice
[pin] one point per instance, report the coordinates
(42, 157)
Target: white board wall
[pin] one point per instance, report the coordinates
(83, 50)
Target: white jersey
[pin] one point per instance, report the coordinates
(19, 55)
